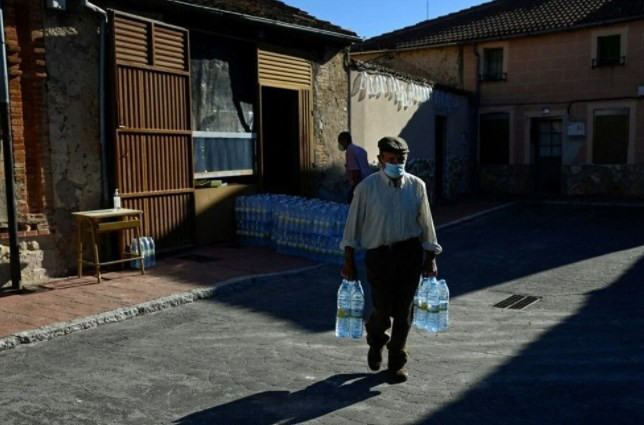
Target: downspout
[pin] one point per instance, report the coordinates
(475, 121)
(101, 98)
(7, 148)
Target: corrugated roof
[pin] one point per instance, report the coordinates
(504, 19)
(273, 10)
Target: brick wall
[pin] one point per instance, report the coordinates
(27, 79)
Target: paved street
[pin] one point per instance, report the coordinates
(265, 353)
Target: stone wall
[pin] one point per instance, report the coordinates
(441, 64)
(605, 180)
(506, 179)
(330, 117)
(72, 43)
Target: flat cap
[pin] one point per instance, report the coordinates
(393, 144)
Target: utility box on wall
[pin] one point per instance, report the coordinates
(57, 4)
(576, 128)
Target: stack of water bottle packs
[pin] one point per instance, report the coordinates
(431, 305)
(292, 225)
(349, 317)
(149, 252)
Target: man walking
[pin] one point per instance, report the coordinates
(356, 164)
(390, 217)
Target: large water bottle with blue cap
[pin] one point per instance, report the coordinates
(343, 315)
(432, 301)
(443, 305)
(420, 303)
(357, 310)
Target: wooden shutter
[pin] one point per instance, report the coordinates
(280, 70)
(153, 138)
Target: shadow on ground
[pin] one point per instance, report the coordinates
(509, 244)
(588, 369)
(284, 407)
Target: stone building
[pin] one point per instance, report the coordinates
(557, 86)
(181, 105)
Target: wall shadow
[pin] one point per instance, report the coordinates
(284, 407)
(587, 370)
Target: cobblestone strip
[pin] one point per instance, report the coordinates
(48, 332)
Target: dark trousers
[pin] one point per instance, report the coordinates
(393, 273)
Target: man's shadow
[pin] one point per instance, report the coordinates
(284, 407)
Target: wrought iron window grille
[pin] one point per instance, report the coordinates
(609, 61)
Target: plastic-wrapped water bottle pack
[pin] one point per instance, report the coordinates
(292, 225)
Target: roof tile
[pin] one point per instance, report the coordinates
(506, 18)
(271, 9)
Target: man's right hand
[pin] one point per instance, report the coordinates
(349, 270)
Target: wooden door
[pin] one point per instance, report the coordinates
(152, 136)
(285, 108)
(547, 139)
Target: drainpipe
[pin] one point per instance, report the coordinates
(101, 98)
(7, 148)
(475, 120)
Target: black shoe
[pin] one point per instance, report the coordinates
(374, 358)
(398, 376)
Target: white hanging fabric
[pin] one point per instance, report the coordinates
(404, 93)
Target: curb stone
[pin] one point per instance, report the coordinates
(48, 332)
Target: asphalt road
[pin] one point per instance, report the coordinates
(267, 354)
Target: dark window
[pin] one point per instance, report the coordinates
(609, 51)
(610, 136)
(493, 65)
(495, 138)
(224, 84)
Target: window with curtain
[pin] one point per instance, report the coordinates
(224, 95)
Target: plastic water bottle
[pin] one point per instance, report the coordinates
(144, 251)
(432, 305)
(153, 251)
(134, 250)
(357, 309)
(420, 304)
(443, 305)
(117, 200)
(343, 316)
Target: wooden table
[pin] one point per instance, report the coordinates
(97, 222)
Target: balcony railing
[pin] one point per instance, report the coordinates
(609, 61)
(496, 76)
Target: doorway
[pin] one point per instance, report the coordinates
(280, 140)
(546, 135)
(440, 140)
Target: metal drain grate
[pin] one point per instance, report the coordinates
(197, 258)
(517, 302)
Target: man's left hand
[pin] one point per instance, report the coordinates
(429, 267)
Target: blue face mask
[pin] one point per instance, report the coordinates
(394, 171)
